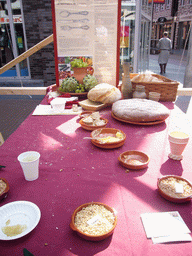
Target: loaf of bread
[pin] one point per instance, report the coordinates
(147, 78)
(140, 110)
(104, 93)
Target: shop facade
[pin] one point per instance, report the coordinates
(175, 18)
(24, 24)
(12, 38)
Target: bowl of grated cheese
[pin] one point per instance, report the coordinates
(175, 188)
(94, 221)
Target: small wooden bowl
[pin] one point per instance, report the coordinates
(169, 197)
(108, 145)
(85, 114)
(92, 237)
(4, 194)
(134, 159)
(92, 127)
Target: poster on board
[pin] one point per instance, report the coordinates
(87, 33)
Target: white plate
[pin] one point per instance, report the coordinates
(19, 212)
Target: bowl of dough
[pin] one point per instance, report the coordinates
(93, 121)
(108, 138)
(94, 221)
(175, 188)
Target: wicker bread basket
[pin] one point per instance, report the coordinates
(167, 88)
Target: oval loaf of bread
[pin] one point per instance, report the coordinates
(140, 110)
(147, 78)
(104, 93)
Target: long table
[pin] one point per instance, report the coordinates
(73, 172)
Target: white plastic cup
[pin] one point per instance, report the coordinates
(58, 105)
(178, 141)
(30, 164)
(155, 96)
(58, 108)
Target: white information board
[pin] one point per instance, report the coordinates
(87, 29)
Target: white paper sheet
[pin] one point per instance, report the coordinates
(47, 110)
(168, 225)
(172, 238)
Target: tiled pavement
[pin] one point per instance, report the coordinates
(14, 111)
(175, 71)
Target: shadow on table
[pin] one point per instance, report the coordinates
(91, 248)
(134, 172)
(171, 167)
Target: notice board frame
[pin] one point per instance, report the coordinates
(117, 43)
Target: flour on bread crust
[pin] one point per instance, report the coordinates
(140, 110)
(104, 93)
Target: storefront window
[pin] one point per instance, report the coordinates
(127, 34)
(12, 38)
(135, 34)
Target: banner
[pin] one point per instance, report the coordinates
(16, 19)
(124, 37)
(156, 1)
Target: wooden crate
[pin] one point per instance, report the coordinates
(167, 88)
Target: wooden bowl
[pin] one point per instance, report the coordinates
(85, 114)
(134, 159)
(4, 193)
(108, 145)
(170, 197)
(92, 127)
(92, 237)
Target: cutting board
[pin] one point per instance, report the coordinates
(91, 105)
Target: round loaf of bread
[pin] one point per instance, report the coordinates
(147, 78)
(104, 93)
(140, 110)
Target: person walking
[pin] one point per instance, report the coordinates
(165, 46)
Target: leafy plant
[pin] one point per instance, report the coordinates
(89, 81)
(69, 84)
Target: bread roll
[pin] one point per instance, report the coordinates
(147, 78)
(140, 110)
(104, 93)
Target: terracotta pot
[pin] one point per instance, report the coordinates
(80, 73)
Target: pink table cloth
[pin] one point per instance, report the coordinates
(73, 171)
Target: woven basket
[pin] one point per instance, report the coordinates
(167, 88)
